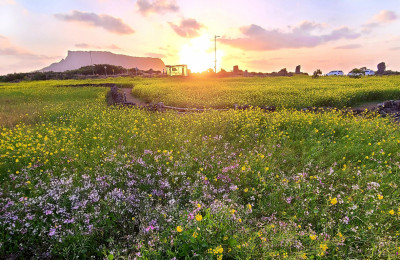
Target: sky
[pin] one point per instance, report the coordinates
(257, 35)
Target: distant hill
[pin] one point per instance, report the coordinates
(78, 59)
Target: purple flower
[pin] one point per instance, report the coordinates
(48, 212)
(149, 228)
(52, 232)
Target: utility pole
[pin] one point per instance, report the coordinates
(105, 69)
(91, 62)
(215, 41)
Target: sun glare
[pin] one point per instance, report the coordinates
(199, 55)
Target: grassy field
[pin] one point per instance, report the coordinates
(81, 179)
(292, 92)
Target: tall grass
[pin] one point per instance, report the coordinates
(86, 180)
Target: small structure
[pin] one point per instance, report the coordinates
(176, 70)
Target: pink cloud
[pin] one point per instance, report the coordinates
(155, 55)
(349, 46)
(380, 18)
(89, 46)
(107, 22)
(188, 28)
(156, 6)
(257, 38)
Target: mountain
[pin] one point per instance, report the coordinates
(78, 59)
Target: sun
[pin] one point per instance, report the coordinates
(199, 54)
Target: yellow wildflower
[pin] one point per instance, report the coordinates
(179, 229)
(199, 217)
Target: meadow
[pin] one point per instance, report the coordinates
(80, 179)
(281, 92)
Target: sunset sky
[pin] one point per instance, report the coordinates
(258, 35)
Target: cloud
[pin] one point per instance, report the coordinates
(107, 22)
(7, 2)
(348, 46)
(188, 28)
(256, 38)
(13, 51)
(113, 46)
(385, 16)
(380, 18)
(155, 55)
(88, 46)
(85, 46)
(10, 50)
(22, 54)
(157, 6)
(395, 49)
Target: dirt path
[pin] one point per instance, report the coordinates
(131, 99)
(367, 105)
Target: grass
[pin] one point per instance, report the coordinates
(83, 179)
(294, 92)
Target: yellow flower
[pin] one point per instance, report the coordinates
(249, 206)
(233, 211)
(324, 247)
(195, 234)
(380, 196)
(333, 201)
(198, 205)
(313, 237)
(304, 256)
(179, 229)
(391, 212)
(199, 217)
(246, 190)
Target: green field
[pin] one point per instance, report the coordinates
(80, 179)
(293, 92)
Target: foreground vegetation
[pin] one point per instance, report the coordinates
(81, 179)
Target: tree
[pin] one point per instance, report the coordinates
(283, 72)
(316, 73)
(357, 71)
(381, 68)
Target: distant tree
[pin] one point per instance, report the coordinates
(316, 74)
(355, 70)
(381, 68)
(283, 72)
